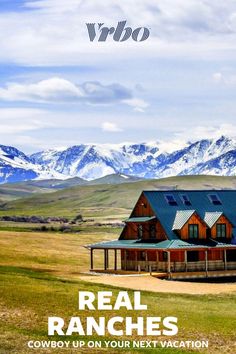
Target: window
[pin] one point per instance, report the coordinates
(214, 199)
(170, 199)
(220, 230)
(231, 255)
(192, 256)
(193, 230)
(185, 199)
(140, 231)
(152, 231)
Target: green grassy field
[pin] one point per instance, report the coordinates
(107, 201)
(41, 273)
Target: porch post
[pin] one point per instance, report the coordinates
(136, 260)
(146, 260)
(125, 259)
(186, 261)
(115, 259)
(105, 259)
(225, 259)
(168, 265)
(91, 258)
(206, 263)
(157, 259)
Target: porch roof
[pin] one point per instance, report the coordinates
(162, 245)
(141, 219)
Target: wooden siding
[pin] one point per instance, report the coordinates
(142, 208)
(195, 219)
(214, 255)
(222, 220)
(130, 231)
(177, 256)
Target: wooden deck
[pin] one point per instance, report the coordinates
(129, 272)
(165, 275)
(209, 274)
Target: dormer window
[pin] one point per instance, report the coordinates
(193, 230)
(185, 199)
(170, 199)
(220, 230)
(214, 199)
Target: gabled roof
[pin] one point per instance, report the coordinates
(211, 218)
(181, 217)
(200, 202)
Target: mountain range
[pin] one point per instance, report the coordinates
(144, 160)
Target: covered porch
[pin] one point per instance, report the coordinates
(147, 258)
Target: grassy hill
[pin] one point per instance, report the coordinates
(105, 200)
(40, 275)
(13, 191)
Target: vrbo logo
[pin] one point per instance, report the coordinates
(120, 34)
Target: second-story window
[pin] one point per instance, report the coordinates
(220, 230)
(193, 230)
(152, 230)
(140, 231)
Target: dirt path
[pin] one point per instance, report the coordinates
(150, 283)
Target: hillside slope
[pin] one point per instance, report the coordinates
(105, 199)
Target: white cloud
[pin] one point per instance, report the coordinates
(17, 120)
(227, 79)
(139, 105)
(51, 90)
(206, 132)
(217, 77)
(63, 91)
(53, 32)
(110, 127)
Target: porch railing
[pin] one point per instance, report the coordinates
(177, 266)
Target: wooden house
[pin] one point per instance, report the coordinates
(180, 233)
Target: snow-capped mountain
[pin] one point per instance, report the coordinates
(15, 165)
(95, 161)
(146, 160)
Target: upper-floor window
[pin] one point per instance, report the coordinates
(220, 230)
(185, 199)
(193, 230)
(170, 199)
(152, 230)
(140, 231)
(214, 198)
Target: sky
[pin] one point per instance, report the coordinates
(59, 89)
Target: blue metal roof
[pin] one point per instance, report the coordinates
(199, 201)
(166, 214)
